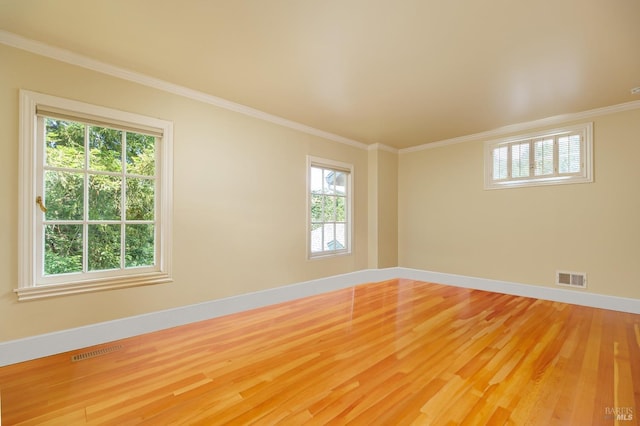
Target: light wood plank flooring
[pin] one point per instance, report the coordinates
(392, 353)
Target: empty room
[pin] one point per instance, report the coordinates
(290, 212)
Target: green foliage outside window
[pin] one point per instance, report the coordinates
(110, 223)
(328, 209)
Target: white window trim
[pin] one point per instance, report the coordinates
(585, 176)
(28, 287)
(323, 162)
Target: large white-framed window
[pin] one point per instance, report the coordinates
(329, 208)
(552, 157)
(95, 204)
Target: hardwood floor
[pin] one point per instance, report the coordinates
(391, 353)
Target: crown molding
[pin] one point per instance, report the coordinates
(72, 58)
(529, 125)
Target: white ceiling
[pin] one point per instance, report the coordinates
(397, 72)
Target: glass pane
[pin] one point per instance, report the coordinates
(329, 181)
(63, 195)
(316, 238)
(329, 236)
(62, 249)
(569, 154)
(141, 151)
(329, 208)
(340, 183)
(64, 146)
(140, 199)
(105, 149)
(543, 151)
(316, 180)
(105, 194)
(500, 163)
(520, 160)
(341, 236)
(104, 247)
(139, 245)
(341, 209)
(316, 208)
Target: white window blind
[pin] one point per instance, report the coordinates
(558, 156)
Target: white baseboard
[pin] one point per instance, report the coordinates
(25, 349)
(575, 297)
(20, 350)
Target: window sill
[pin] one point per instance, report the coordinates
(556, 180)
(327, 255)
(55, 290)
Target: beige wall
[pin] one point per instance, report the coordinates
(240, 207)
(449, 223)
(239, 193)
(383, 208)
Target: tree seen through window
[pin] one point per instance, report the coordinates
(99, 190)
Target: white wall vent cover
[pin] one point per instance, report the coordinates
(571, 279)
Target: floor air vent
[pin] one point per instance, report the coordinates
(571, 279)
(97, 352)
